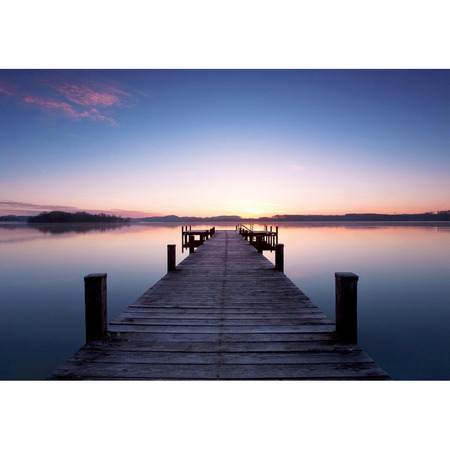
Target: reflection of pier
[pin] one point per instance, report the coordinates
(261, 240)
(225, 312)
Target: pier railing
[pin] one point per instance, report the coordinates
(189, 237)
(266, 239)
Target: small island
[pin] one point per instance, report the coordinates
(78, 217)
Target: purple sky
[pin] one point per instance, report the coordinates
(212, 142)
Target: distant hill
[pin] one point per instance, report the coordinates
(78, 217)
(426, 217)
(370, 217)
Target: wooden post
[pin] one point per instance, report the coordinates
(259, 244)
(95, 300)
(191, 244)
(346, 313)
(171, 253)
(279, 257)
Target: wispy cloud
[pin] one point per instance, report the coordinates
(67, 109)
(31, 209)
(79, 99)
(99, 95)
(47, 103)
(28, 209)
(7, 88)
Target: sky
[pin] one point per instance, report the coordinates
(140, 143)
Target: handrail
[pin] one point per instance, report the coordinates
(243, 226)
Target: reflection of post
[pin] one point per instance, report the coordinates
(95, 300)
(346, 311)
(191, 244)
(279, 257)
(171, 257)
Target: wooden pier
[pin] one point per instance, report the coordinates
(224, 313)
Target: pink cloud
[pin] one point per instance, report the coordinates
(95, 115)
(97, 95)
(88, 100)
(7, 88)
(51, 104)
(67, 109)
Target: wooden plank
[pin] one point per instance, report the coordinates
(131, 345)
(257, 316)
(223, 358)
(237, 310)
(221, 338)
(81, 370)
(228, 323)
(216, 329)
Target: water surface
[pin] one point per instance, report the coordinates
(403, 291)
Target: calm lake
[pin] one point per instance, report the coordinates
(403, 290)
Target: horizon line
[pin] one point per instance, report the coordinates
(233, 216)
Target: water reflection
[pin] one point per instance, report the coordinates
(403, 302)
(55, 228)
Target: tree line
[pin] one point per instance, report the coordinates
(424, 217)
(77, 217)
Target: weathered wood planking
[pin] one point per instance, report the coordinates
(223, 313)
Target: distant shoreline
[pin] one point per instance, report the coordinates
(440, 216)
(236, 220)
